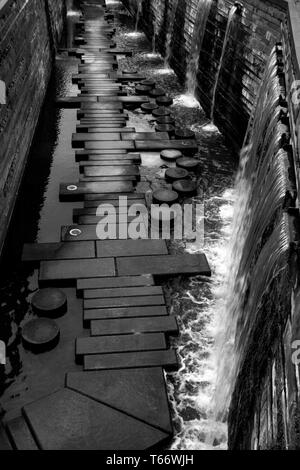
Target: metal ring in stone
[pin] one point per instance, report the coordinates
(72, 187)
(75, 232)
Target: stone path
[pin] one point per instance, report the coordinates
(119, 400)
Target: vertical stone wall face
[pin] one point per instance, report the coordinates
(29, 29)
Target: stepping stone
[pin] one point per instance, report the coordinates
(51, 251)
(117, 302)
(185, 187)
(121, 219)
(93, 129)
(145, 136)
(149, 83)
(49, 302)
(184, 134)
(129, 72)
(73, 102)
(118, 344)
(114, 197)
(164, 101)
(157, 92)
(106, 164)
(20, 434)
(78, 140)
(190, 164)
(130, 170)
(67, 420)
(4, 441)
(142, 89)
(187, 146)
(164, 265)
(166, 324)
(165, 120)
(108, 154)
(166, 359)
(76, 191)
(170, 155)
(40, 334)
(165, 128)
(122, 248)
(148, 107)
(123, 312)
(89, 232)
(174, 174)
(110, 145)
(73, 269)
(114, 202)
(114, 282)
(143, 392)
(165, 196)
(122, 292)
(160, 111)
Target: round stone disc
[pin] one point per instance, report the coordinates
(40, 334)
(170, 154)
(184, 134)
(187, 163)
(165, 128)
(149, 107)
(165, 196)
(164, 101)
(174, 174)
(148, 82)
(165, 120)
(142, 89)
(129, 72)
(161, 111)
(157, 92)
(49, 302)
(185, 187)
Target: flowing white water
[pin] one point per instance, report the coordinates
(231, 16)
(172, 16)
(138, 13)
(203, 10)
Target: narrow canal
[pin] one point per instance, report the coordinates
(196, 301)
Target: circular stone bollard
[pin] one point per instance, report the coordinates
(148, 82)
(149, 107)
(190, 164)
(49, 302)
(165, 128)
(129, 72)
(156, 92)
(164, 101)
(165, 196)
(184, 134)
(185, 187)
(161, 111)
(40, 334)
(165, 120)
(142, 89)
(174, 174)
(170, 155)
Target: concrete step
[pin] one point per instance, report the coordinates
(119, 302)
(122, 292)
(58, 251)
(76, 191)
(123, 326)
(114, 282)
(20, 434)
(123, 312)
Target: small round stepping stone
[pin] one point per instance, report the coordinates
(165, 128)
(174, 174)
(40, 334)
(164, 101)
(142, 89)
(149, 82)
(161, 111)
(129, 72)
(165, 196)
(49, 302)
(170, 155)
(187, 163)
(184, 134)
(157, 92)
(165, 120)
(149, 107)
(185, 187)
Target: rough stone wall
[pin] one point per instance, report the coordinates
(29, 31)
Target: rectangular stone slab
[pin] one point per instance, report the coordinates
(184, 145)
(164, 265)
(114, 197)
(122, 326)
(129, 170)
(118, 165)
(114, 282)
(52, 251)
(81, 76)
(92, 188)
(146, 135)
(104, 179)
(82, 129)
(119, 344)
(78, 140)
(115, 202)
(125, 145)
(74, 269)
(122, 292)
(94, 220)
(121, 248)
(88, 232)
(120, 77)
(123, 312)
(134, 158)
(77, 213)
(166, 359)
(116, 302)
(20, 434)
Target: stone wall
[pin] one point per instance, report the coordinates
(29, 32)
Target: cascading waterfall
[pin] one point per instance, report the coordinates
(155, 25)
(138, 13)
(234, 9)
(260, 243)
(172, 16)
(203, 10)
